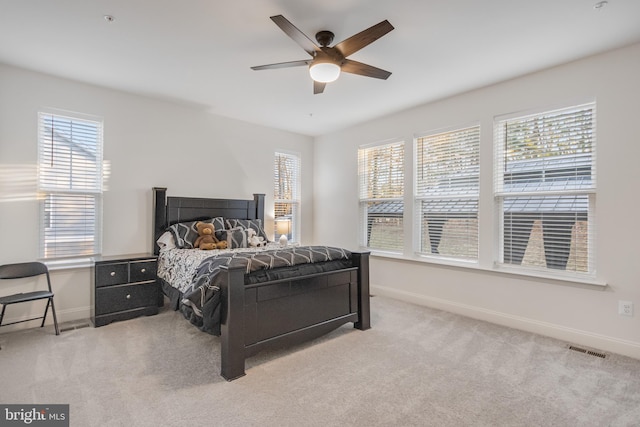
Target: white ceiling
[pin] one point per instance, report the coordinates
(200, 52)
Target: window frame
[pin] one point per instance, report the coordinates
(393, 201)
(490, 246)
(500, 194)
(420, 197)
(294, 227)
(90, 187)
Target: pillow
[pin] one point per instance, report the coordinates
(256, 224)
(236, 237)
(166, 241)
(218, 223)
(186, 233)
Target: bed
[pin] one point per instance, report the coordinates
(251, 299)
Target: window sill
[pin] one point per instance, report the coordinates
(501, 270)
(68, 264)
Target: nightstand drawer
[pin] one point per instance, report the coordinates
(125, 297)
(142, 271)
(112, 274)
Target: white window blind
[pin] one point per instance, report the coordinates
(287, 196)
(545, 189)
(70, 185)
(381, 184)
(447, 192)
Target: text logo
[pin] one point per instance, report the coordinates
(34, 415)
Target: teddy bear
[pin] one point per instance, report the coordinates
(207, 237)
(254, 240)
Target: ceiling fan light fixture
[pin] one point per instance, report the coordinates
(324, 72)
(329, 61)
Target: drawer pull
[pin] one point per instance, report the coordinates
(113, 273)
(144, 270)
(128, 296)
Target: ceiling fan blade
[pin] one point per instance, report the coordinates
(363, 38)
(355, 67)
(318, 87)
(298, 36)
(282, 65)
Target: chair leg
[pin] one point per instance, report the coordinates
(55, 319)
(4, 306)
(46, 310)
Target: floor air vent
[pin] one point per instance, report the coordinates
(74, 326)
(589, 352)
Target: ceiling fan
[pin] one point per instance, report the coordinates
(327, 62)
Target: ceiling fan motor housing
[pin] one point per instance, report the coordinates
(324, 38)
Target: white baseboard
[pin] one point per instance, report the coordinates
(68, 315)
(570, 335)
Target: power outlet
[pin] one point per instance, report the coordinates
(625, 308)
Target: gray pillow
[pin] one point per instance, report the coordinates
(256, 224)
(186, 233)
(235, 237)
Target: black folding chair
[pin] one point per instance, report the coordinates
(22, 270)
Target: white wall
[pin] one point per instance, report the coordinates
(580, 314)
(147, 143)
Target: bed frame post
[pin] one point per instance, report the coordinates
(361, 260)
(259, 199)
(159, 216)
(232, 323)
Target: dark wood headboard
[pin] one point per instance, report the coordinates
(170, 210)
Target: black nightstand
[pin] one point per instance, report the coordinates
(123, 287)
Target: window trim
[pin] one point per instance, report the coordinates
(588, 277)
(534, 275)
(363, 201)
(77, 260)
(296, 202)
(417, 230)
(489, 225)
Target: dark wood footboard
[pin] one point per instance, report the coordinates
(287, 312)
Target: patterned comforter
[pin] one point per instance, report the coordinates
(196, 273)
(178, 266)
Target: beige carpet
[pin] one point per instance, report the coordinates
(415, 367)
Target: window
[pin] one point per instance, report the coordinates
(545, 190)
(287, 196)
(381, 182)
(447, 192)
(70, 186)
